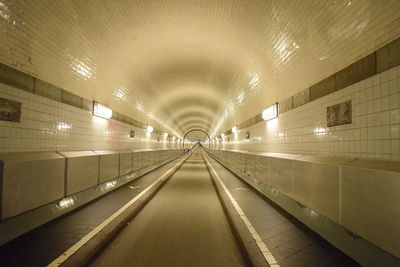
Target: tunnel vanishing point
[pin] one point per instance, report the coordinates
(200, 133)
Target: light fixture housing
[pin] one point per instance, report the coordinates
(149, 129)
(165, 134)
(270, 113)
(234, 130)
(101, 111)
(222, 135)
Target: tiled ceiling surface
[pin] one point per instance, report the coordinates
(185, 64)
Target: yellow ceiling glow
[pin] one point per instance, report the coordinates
(161, 62)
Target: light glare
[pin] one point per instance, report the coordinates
(270, 112)
(101, 111)
(149, 129)
(66, 203)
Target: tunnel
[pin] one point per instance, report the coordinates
(200, 133)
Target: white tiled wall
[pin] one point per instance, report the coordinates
(374, 133)
(47, 125)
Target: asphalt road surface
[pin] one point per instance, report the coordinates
(183, 225)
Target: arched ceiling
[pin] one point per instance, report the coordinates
(196, 134)
(180, 64)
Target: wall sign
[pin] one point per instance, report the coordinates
(10, 110)
(339, 114)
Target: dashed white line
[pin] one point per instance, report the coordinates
(261, 245)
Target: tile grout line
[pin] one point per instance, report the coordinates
(261, 245)
(68, 253)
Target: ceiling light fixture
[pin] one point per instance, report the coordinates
(270, 112)
(149, 128)
(101, 111)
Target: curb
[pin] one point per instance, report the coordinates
(251, 252)
(96, 244)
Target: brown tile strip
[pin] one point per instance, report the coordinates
(29, 83)
(379, 61)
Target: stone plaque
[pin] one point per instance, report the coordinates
(339, 114)
(10, 110)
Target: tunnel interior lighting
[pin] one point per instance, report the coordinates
(222, 135)
(234, 130)
(149, 128)
(270, 112)
(66, 203)
(101, 111)
(165, 135)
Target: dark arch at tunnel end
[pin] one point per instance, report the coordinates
(197, 130)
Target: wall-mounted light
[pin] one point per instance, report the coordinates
(270, 112)
(234, 130)
(149, 128)
(132, 134)
(319, 131)
(66, 203)
(222, 135)
(101, 111)
(165, 135)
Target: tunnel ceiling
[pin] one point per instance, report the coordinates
(182, 64)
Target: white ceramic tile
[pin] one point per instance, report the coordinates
(374, 132)
(50, 125)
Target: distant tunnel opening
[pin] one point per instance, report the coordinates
(197, 130)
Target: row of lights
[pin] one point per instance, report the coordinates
(104, 112)
(269, 113)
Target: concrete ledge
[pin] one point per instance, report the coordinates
(29, 220)
(125, 162)
(136, 160)
(108, 164)
(347, 233)
(82, 170)
(83, 256)
(370, 202)
(316, 184)
(251, 252)
(29, 180)
(148, 158)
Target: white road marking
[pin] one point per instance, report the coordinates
(240, 188)
(261, 245)
(63, 257)
(135, 187)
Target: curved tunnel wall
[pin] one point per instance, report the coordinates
(196, 130)
(48, 125)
